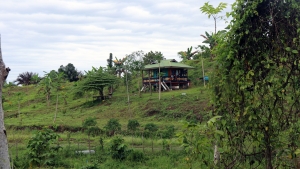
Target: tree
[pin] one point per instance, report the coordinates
(96, 80)
(110, 61)
(89, 125)
(35, 79)
(256, 85)
(132, 126)
(151, 57)
(47, 84)
(26, 78)
(211, 11)
(69, 72)
(151, 130)
(188, 54)
(112, 126)
(119, 66)
(134, 63)
(58, 80)
(40, 150)
(209, 39)
(4, 156)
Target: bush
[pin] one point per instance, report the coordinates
(92, 166)
(136, 156)
(118, 149)
(40, 150)
(112, 126)
(168, 132)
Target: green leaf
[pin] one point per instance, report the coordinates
(297, 151)
(288, 49)
(219, 132)
(294, 51)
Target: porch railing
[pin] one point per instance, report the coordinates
(166, 79)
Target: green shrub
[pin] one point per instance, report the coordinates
(91, 166)
(136, 156)
(112, 126)
(118, 149)
(168, 132)
(40, 150)
(133, 125)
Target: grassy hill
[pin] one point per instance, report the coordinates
(27, 111)
(27, 107)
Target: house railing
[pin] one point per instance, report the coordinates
(166, 79)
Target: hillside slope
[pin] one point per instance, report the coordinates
(27, 107)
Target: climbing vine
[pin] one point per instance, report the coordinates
(256, 84)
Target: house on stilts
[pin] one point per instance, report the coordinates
(174, 75)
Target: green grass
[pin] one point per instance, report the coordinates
(36, 114)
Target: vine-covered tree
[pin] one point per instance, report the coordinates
(26, 78)
(256, 85)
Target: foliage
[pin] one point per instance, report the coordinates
(209, 39)
(136, 156)
(134, 64)
(112, 126)
(91, 166)
(151, 127)
(26, 78)
(118, 149)
(197, 142)
(9, 84)
(151, 57)
(96, 80)
(50, 81)
(134, 61)
(89, 124)
(188, 54)
(256, 84)
(204, 51)
(40, 150)
(119, 66)
(168, 132)
(110, 61)
(212, 11)
(133, 125)
(70, 72)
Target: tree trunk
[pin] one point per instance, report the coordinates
(128, 99)
(268, 151)
(139, 86)
(215, 25)
(55, 109)
(4, 155)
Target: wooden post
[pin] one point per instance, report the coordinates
(150, 87)
(159, 82)
(203, 71)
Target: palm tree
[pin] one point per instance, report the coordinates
(25, 78)
(188, 54)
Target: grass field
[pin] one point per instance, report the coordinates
(26, 111)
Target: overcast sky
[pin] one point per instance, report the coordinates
(41, 35)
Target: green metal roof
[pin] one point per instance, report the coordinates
(169, 63)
